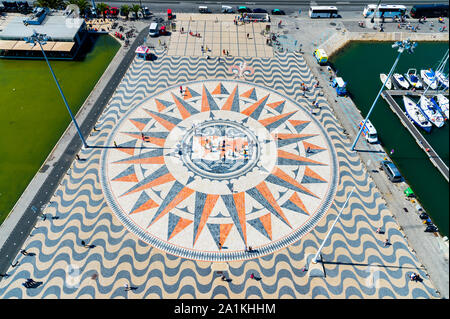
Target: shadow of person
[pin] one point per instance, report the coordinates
(92, 246)
(31, 254)
(228, 280)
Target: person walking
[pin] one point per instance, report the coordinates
(24, 252)
(386, 242)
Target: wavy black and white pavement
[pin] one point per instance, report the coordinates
(356, 261)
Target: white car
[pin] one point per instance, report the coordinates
(154, 30)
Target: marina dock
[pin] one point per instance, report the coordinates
(406, 121)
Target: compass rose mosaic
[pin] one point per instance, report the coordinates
(224, 166)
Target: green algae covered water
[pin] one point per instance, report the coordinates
(33, 115)
(360, 64)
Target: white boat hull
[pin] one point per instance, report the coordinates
(429, 79)
(416, 115)
(442, 79)
(433, 115)
(401, 81)
(414, 81)
(443, 104)
(388, 82)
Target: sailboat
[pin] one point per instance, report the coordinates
(443, 104)
(429, 77)
(383, 79)
(401, 81)
(442, 79)
(416, 115)
(412, 78)
(431, 112)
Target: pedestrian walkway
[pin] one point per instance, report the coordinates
(219, 37)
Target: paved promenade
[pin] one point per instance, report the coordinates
(95, 238)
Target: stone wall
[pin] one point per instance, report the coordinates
(340, 39)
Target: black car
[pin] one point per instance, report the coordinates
(278, 12)
(259, 10)
(243, 9)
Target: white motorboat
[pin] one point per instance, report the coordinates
(442, 79)
(443, 104)
(416, 115)
(413, 79)
(383, 78)
(401, 81)
(429, 77)
(431, 112)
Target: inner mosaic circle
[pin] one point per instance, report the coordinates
(219, 149)
(220, 167)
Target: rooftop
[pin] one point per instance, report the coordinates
(57, 28)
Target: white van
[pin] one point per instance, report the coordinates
(154, 30)
(369, 132)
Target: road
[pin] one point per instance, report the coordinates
(289, 6)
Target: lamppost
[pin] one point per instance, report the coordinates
(375, 12)
(314, 260)
(402, 46)
(42, 39)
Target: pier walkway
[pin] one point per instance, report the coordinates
(421, 141)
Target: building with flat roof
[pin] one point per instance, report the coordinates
(65, 36)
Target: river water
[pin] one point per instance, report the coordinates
(360, 64)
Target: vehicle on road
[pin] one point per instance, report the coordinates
(369, 132)
(278, 12)
(323, 12)
(340, 86)
(244, 9)
(321, 56)
(153, 31)
(429, 11)
(259, 10)
(203, 9)
(227, 9)
(391, 171)
(384, 10)
(146, 12)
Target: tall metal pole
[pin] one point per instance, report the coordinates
(402, 45)
(62, 94)
(376, 100)
(314, 260)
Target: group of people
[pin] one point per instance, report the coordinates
(414, 277)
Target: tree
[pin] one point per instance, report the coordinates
(125, 9)
(52, 4)
(102, 7)
(83, 5)
(136, 8)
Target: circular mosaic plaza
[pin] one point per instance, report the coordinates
(220, 167)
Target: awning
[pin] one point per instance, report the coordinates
(142, 50)
(22, 46)
(63, 46)
(7, 44)
(47, 46)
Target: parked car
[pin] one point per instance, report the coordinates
(227, 9)
(146, 11)
(243, 9)
(391, 171)
(259, 10)
(153, 30)
(278, 12)
(203, 9)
